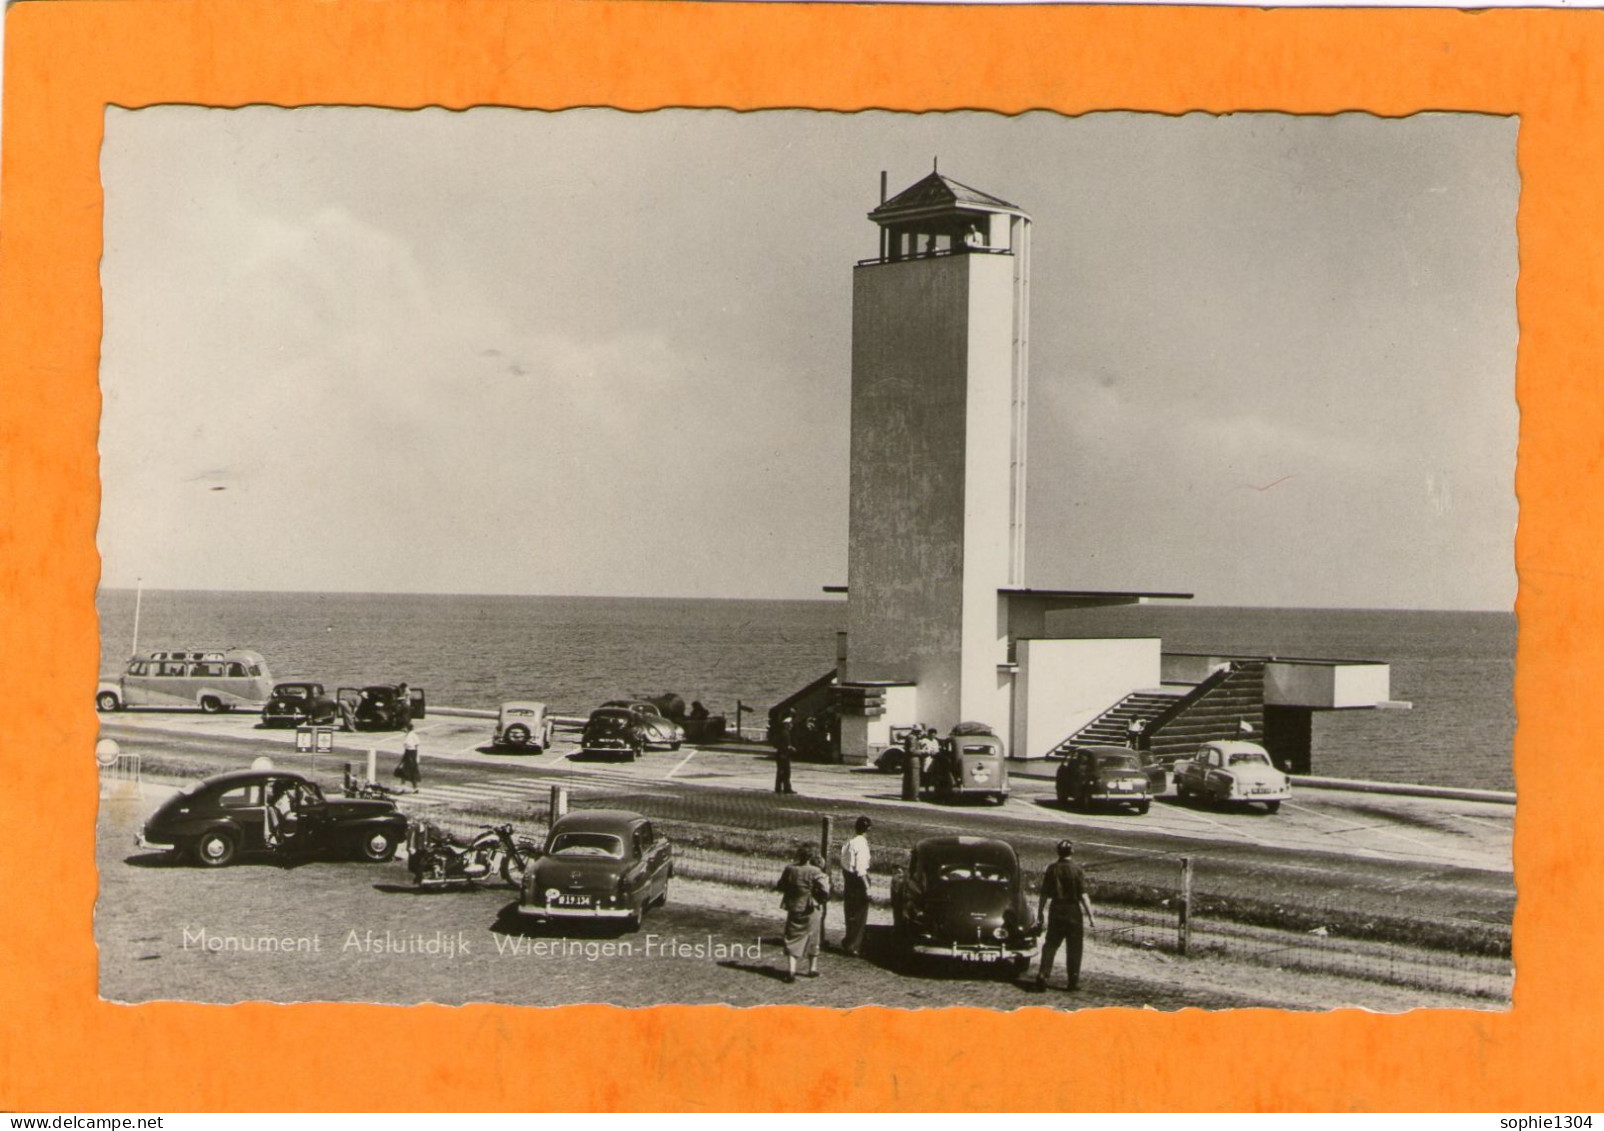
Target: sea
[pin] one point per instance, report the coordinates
(1456, 669)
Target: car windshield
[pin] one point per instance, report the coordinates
(292, 691)
(518, 713)
(979, 870)
(1249, 758)
(587, 844)
(980, 749)
(1116, 761)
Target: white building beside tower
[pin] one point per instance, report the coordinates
(940, 624)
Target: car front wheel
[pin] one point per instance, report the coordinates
(211, 704)
(1142, 807)
(378, 846)
(1273, 806)
(108, 701)
(215, 849)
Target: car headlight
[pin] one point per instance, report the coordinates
(999, 932)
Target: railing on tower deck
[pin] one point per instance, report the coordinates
(942, 253)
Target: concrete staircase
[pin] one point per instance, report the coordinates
(1177, 724)
(1112, 727)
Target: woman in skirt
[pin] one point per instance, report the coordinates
(409, 771)
(801, 887)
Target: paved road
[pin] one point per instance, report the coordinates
(1359, 853)
(460, 769)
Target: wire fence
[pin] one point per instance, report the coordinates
(1197, 903)
(1184, 904)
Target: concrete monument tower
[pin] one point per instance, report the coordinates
(940, 345)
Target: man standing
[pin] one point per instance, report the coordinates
(1063, 898)
(855, 883)
(782, 756)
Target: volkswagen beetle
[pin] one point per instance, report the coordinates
(598, 864)
(963, 898)
(656, 728)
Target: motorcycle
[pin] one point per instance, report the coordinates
(437, 859)
(356, 787)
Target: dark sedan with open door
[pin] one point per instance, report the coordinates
(245, 812)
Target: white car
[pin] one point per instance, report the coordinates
(1240, 772)
(523, 724)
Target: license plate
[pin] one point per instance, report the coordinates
(979, 955)
(571, 900)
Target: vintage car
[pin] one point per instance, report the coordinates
(1103, 775)
(656, 728)
(523, 723)
(964, 898)
(598, 864)
(613, 730)
(1233, 772)
(380, 706)
(972, 762)
(299, 704)
(217, 820)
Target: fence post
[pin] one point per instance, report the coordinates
(559, 801)
(373, 765)
(1183, 932)
(910, 776)
(824, 839)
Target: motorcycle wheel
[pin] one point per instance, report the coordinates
(512, 874)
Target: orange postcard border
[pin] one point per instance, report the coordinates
(63, 1049)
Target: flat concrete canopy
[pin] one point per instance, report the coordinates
(1055, 599)
(1052, 600)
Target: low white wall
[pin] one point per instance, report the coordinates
(1062, 685)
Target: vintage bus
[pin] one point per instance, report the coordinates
(218, 680)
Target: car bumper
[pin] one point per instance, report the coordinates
(160, 845)
(978, 952)
(1121, 797)
(1274, 795)
(544, 912)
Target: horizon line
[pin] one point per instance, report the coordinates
(830, 600)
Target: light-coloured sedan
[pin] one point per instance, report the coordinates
(1233, 772)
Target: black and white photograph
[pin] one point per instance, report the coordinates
(788, 557)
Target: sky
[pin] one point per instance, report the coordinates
(593, 352)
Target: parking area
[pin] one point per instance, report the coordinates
(461, 768)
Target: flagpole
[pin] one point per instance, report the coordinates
(139, 593)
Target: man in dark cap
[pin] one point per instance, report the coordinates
(1063, 899)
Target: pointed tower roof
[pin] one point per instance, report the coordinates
(936, 195)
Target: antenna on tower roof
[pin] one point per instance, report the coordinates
(935, 164)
